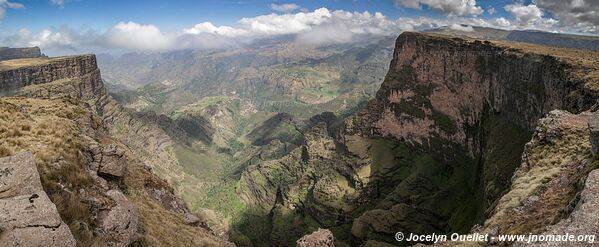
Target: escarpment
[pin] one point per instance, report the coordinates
(7, 53)
(93, 167)
(434, 151)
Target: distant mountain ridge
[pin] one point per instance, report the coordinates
(526, 36)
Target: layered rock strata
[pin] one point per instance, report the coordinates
(7, 53)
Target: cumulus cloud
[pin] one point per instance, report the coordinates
(5, 4)
(463, 28)
(209, 28)
(582, 15)
(525, 14)
(451, 7)
(530, 16)
(284, 7)
(320, 26)
(131, 35)
(502, 22)
(60, 39)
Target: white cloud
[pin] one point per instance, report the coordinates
(275, 24)
(5, 4)
(320, 26)
(131, 35)
(491, 11)
(463, 28)
(284, 7)
(502, 22)
(530, 16)
(62, 38)
(582, 15)
(58, 2)
(526, 15)
(207, 27)
(451, 7)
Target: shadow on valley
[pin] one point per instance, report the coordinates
(434, 187)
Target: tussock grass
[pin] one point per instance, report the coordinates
(50, 129)
(160, 226)
(58, 132)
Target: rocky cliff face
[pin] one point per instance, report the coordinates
(17, 74)
(104, 190)
(433, 152)
(7, 53)
(439, 86)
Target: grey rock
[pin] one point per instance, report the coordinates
(27, 216)
(32, 220)
(190, 219)
(119, 224)
(18, 175)
(320, 238)
(113, 163)
(583, 221)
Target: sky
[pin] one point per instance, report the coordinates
(81, 26)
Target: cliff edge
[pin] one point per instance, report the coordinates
(104, 191)
(437, 148)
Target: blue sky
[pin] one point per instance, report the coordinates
(78, 25)
(177, 14)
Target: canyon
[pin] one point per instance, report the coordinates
(463, 135)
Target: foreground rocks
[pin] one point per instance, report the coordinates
(320, 238)
(98, 185)
(27, 216)
(585, 218)
(119, 224)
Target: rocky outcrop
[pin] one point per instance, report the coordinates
(584, 220)
(111, 161)
(27, 216)
(319, 238)
(119, 223)
(7, 53)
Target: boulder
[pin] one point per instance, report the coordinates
(320, 238)
(190, 219)
(113, 163)
(18, 176)
(119, 224)
(28, 217)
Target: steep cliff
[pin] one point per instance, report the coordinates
(433, 152)
(99, 176)
(7, 53)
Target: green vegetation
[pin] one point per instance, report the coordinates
(444, 122)
(324, 90)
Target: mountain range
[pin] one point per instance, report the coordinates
(483, 131)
